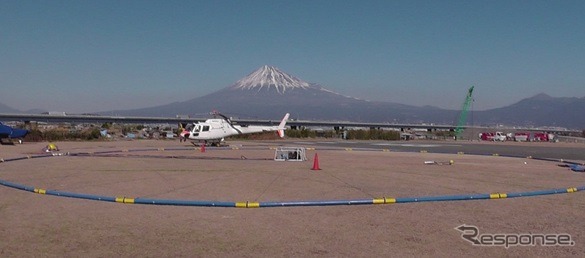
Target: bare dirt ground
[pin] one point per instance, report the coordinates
(49, 226)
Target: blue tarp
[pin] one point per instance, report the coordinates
(577, 168)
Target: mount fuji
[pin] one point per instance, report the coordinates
(268, 93)
(271, 78)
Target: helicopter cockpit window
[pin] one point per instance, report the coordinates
(206, 128)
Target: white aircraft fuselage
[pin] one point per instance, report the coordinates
(215, 130)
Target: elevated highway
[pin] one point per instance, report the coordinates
(67, 118)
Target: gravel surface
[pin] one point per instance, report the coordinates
(51, 226)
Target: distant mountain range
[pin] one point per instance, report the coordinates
(540, 110)
(269, 93)
(7, 109)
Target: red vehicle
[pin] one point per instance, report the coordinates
(522, 137)
(542, 137)
(497, 136)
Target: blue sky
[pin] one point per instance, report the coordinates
(88, 56)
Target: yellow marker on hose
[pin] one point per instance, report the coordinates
(40, 191)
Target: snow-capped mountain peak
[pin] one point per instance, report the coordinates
(267, 77)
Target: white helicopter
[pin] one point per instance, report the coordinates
(213, 131)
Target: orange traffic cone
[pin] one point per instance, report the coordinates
(316, 163)
(203, 147)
